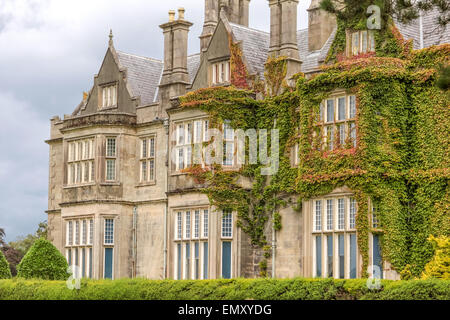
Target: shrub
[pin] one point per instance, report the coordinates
(5, 272)
(43, 261)
(235, 289)
(439, 266)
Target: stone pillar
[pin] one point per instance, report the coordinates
(237, 11)
(320, 26)
(211, 19)
(283, 33)
(175, 76)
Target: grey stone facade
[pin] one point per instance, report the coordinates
(107, 185)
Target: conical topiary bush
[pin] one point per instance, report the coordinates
(5, 272)
(43, 261)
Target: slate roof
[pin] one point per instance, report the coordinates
(143, 75)
(432, 34)
(255, 47)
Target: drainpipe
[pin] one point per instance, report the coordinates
(134, 246)
(274, 236)
(166, 189)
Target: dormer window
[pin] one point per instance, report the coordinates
(362, 41)
(108, 96)
(220, 72)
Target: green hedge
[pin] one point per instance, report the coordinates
(238, 289)
(5, 272)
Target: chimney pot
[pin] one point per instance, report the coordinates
(181, 13)
(171, 15)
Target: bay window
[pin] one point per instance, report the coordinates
(81, 161)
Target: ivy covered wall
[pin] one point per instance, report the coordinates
(400, 162)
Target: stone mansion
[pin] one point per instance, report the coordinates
(120, 204)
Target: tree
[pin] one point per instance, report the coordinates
(43, 261)
(439, 266)
(13, 257)
(24, 243)
(403, 10)
(5, 272)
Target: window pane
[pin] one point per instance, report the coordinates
(108, 263)
(205, 223)
(180, 159)
(330, 137)
(371, 41)
(70, 236)
(152, 147)
(330, 256)
(69, 257)
(179, 261)
(341, 214)
(77, 233)
(188, 261)
(342, 134)
(353, 256)
(111, 147)
(90, 263)
(109, 231)
(83, 262)
(341, 108)
(352, 216)
(330, 110)
(352, 111)
(152, 170)
(226, 260)
(91, 231)
(205, 131)
(179, 225)
(353, 134)
(318, 216)
(319, 256)
(355, 43)
(227, 224)
(110, 170)
(377, 260)
(144, 148)
(180, 140)
(205, 260)
(188, 225)
(363, 41)
(330, 208)
(84, 237)
(197, 261)
(196, 223)
(341, 257)
(144, 171)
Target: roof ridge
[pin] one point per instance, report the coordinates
(139, 56)
(248, 28)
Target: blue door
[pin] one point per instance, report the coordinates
(226, 260)
(108, 263)
(377, 260)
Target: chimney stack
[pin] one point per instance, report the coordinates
(211, 19)
(283, 33)
(175, 75)
(320, 26)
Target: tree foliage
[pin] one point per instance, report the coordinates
(439, 266)
(5, 272)
(43, 261)
(404, 11)
(13, 257)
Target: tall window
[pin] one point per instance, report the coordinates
(227, 235)
(228, 144)
(80, 162)
(111, 156)
(108, 267)
(190, 136)
(220, 72)
(79, 246)
(191, 245)
(147, 159)
(109, 96)
(362, 42)
(334, 245)
(338, 125)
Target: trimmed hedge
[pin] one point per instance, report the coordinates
(43, 261)
(236, 289)
(5, 272)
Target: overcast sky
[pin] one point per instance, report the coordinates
(49, 53)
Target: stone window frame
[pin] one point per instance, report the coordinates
(322, 122)
(72, 247)
(220, 68)
(147, 155)
(111, 157)
(181, 214)
(359, 35)
(81, 153)
(312, 232)
(102, 92)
